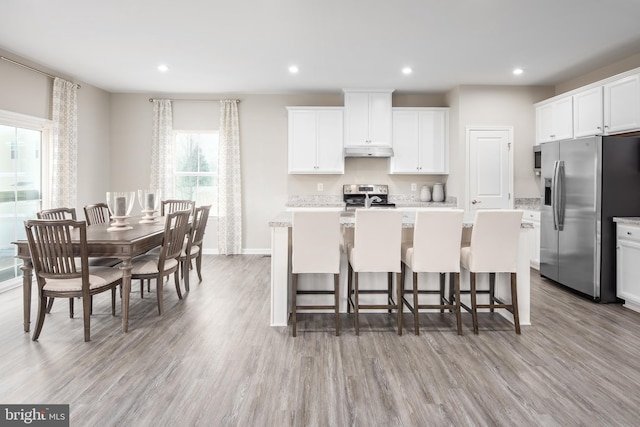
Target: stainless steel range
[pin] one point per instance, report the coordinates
(366, 195)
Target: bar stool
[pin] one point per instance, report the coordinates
(315, 248)
(493, 249)
(435, 249)
(376, 249)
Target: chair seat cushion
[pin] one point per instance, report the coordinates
(155, 251)
(98, 277)
(148, 264)
(194, 251)
(407, 253)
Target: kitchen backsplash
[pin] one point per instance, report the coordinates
(409, 200)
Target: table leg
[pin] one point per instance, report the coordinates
(126, 291)
(27, 270)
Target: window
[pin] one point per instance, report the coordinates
(21, 176)
(197, 167)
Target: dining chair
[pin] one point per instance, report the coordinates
(376, 249)
(192, 248)
(315, 248)
(97, 213)
(58, 214)
(158, 266)
(173, 205)
(55, 263)
(437, 236)
(493, 249)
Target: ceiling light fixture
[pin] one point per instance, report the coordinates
(407, 70)
(293, 69)
(518, 71)
(163, 68)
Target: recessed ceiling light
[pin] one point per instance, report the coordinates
(293, 69)
(407, 70)
(163, 68)
(518, 71)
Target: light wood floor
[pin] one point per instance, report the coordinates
(212, 360)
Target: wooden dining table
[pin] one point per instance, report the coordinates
(123, 245)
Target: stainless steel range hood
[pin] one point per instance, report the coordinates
(368, 151)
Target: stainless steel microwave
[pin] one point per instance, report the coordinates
(537, 159)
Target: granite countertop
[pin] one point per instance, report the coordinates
(628, 220)
(348, 220)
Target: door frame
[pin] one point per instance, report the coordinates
(468, 130)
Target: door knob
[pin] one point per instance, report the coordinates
(474, 201)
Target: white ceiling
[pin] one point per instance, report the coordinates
(246, 46)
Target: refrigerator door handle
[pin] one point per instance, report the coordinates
(554, 195)
(561, 195)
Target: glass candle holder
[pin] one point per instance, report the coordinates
(120, 204)
(149, 201)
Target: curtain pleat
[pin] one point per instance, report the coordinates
(64, 145)
(162, 157)
(229, 181)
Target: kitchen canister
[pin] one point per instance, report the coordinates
(438, 192)
(425, 194)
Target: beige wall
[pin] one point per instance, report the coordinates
(496, 106)
(115, 139)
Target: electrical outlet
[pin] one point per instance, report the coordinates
(414, 187)
(320, 187)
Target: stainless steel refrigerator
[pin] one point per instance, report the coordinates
(585, 183)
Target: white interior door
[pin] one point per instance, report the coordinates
(490, 169)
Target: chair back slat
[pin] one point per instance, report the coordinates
(97, 213)
(51, 243)
(199, 224)
(174, 205)
(175, 231)
(57, 213)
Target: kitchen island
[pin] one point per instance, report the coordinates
(281, 277)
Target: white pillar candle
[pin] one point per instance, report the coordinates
(151, 203)
(121, 206)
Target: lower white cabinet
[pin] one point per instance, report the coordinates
(533, 218)
(628, 265)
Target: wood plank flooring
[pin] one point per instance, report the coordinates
(212, 360)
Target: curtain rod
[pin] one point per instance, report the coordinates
(194, 100)
(31, 68)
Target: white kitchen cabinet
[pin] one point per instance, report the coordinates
(420, 141)
(628, 265)
(533, 218)
(367, 118)
(554, 120)
(315, 140)
(622, 105)
(588, 113)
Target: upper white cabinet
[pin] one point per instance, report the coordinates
(367, 116)
(554, 120)
(587, 113)
(420, 141)
(622, 105)
(315, 140)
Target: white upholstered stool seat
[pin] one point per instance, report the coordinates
(375, 249)
(435, 248)
(493, 249)
(315, 248)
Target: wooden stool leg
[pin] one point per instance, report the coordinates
(336, 289)
(294, 293)
(514, 301)
(349, 286)
(416, 320)
(389, 291)
(474, 308)
(492, 290)
(356, 303)
(443, 278)
(399, 302)
(454, 282)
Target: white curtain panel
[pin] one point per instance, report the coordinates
(229, 187)
(64, 145)
(162, 158)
